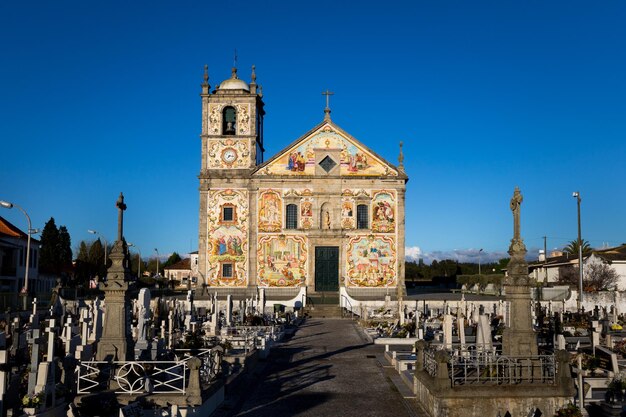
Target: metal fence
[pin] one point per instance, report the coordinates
(211, 361)
(476, 367)
(132, 377)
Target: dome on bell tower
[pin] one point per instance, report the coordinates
(234, 83)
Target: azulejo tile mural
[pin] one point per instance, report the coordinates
(282, 260)
(270, 211)
(384, 211)
(354, 160)
(227, 237)
(371, 261)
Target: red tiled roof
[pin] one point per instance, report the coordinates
(9, 230)
(185, 264)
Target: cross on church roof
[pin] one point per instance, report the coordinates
(327, 109)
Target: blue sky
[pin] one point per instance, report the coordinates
(102, 97)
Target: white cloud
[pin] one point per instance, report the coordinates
(461, 255)
(412, 253)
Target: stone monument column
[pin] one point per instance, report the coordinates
(116, 342)
(519, 338)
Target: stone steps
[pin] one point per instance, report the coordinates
(324, 311)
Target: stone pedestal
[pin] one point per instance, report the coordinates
(115, 341)
(519, 338)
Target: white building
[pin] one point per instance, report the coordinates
(547, 271)
(13, 243)
(183, 274)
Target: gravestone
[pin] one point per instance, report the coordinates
(483, 333)
(447, 331)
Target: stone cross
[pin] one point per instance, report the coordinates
(51, 330)
(67, 336)
(120, 216)
(34, 340)
(85, 319)
(516, 202)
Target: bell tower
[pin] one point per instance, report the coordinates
(232, 126)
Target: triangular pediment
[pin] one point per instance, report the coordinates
(327, 150)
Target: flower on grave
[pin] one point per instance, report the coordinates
(34, 400)
(618, 383)
(570, 410)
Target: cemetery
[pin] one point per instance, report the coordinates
(508, 350)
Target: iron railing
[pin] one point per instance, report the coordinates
(430, 365)
(346, 305)
(211, 361)
(471, 367)
(132, 377)
(466, 367)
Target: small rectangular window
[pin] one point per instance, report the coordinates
(227, 270)
(292, 216)
(362, 217)
(228, 214)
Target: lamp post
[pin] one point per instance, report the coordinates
(576, 195)
(94, 232)
(8, 205)
(479, 256)
(157, 252)
(139, 260)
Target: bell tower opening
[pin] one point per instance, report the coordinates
(229, 121)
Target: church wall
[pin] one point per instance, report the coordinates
(368, 257)
(227, 237)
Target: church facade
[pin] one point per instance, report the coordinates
(326, 212)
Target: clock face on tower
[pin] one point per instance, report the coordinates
(229, 155)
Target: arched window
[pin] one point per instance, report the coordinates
(229, 121)
(362, 217)
(291, 216)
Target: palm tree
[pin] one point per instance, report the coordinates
(572, 248)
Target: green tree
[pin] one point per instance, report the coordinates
(96, 260)
(135, 260)
(173, 258)
(64, 248)
(83, 267)
(49, 252)
(572, 248)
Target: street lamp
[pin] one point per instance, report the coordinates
(576, 195)
(139, 260)
(479, 256)
(157, 252)
(8, 205)
(94, 232)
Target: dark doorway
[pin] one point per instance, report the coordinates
(326, 268)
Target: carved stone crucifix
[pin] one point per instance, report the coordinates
(120, 216)
(516, 202)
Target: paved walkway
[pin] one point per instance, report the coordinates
(328, 368)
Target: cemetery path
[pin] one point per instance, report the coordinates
(328, 368)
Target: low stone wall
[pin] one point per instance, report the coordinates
(479, 400)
